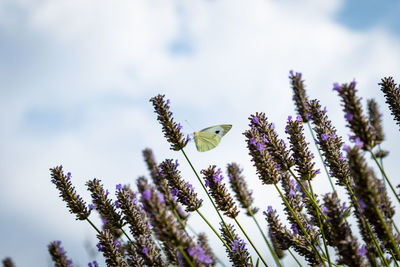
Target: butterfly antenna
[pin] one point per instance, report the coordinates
(189, 125)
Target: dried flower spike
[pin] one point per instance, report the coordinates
(180, 189)
(375, 120)
(330, 143)
(392, 94)
(105, 207)
(338, 232)
(239, 186)
(238, 255)
(7, 262)
(267, 169)
(162, 184)
(171, 129)
(301, 154)
(269, 140)
(356, 121)
(299, 95)
(67, 192)
(110, 249)
(223, 200)
(58, 255)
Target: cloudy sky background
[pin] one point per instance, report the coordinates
(76, 77)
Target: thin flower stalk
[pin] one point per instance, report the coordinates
(238, 255)
(364, 134)
(58, 255)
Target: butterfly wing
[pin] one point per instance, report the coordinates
(206, 141)
(218, 130)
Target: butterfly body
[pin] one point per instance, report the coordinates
(210, 137)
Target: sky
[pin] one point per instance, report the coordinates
(76, 78)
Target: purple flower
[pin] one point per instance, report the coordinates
(188, 138)
(349, 116)
(147, 194)
(68, 176)
(308, 115)
(207, 183)
(362, 204)
(318, 171)
(91, 207)
(168, 102)
(344, 207)
(358, 142)
(294, 229)
(117, 204)
(174, 191)
(260, 147)
(324, 136)
(253, 141)
(289, 118)
(99, 247)
(179, 126)
(54, 181)
(256, 120)
(191, 251)
(325, 110)
(116, 244)
(299, 118)
(134, 200)
(324, 210)
(291, 72)
(107, 192)
(336, 87)
(118, 187)
(161, 198)
(190, 186)
(176, 163)
(145, 251)
(346, 148)
(353, 83)
(269, 209)
(362, 251)
(292, 192)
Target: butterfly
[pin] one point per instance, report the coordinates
(210, 137)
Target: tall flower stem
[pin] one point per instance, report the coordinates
(94, 226)
(310, 196)
(212, 228)
(276, 259)
(251, 243)
(294, 257)
(388, 233)
(320, 156)
(384, 175)
(320, 226)
(205, 189)
(299, 224)
(372, 235)
(186, 256)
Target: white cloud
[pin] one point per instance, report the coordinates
(104, 61)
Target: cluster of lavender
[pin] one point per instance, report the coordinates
(316, 227)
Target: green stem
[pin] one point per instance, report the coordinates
(310, 196)
(205, 189)
(179, 220)
(388, 232)
(251, 243)
(384, 175)
(320, 225)
(394, 258)
(294, 257)
(320, 156)
(94, 226)
(186, 256)
(276, 259)
(372, 235)
(299, 224)
(204, 218)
